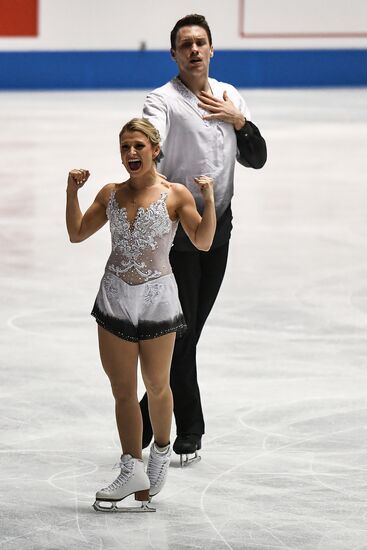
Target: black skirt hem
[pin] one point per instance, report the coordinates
(146, 330)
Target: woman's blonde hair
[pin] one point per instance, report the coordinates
(145, 127)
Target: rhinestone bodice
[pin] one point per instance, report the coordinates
(140, 250)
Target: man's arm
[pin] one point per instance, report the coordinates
(251, 146)
(155, 110)
(250, 143)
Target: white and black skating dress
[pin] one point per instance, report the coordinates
(138, 297)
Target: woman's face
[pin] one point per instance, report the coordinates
(137, 152)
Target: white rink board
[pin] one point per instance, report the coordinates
(304, 17)
(67, 25)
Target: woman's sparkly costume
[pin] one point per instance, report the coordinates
(138, 297)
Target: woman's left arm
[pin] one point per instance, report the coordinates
(199, 229)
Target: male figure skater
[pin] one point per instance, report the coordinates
(204, 126)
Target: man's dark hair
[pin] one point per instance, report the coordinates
(188, 20)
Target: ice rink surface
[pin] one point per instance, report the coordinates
(282, 361)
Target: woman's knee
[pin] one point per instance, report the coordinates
(124, 392)
(157, 389)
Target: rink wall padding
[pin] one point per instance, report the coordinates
(94, 70)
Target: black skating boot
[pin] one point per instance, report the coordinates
(147, 435)
(147, 426)
(186, 445)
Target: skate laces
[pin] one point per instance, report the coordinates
(122, 478)
(158, 462)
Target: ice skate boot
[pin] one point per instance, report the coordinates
(186, 445)
(157, 469)
(131, 480)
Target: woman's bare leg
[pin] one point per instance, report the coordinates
(119, 359)
(155, 362)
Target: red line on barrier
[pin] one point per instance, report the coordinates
(244, 34)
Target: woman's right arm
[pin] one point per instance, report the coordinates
(80, 226)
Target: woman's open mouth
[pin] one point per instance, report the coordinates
(134, 164)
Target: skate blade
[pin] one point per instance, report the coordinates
(112, 507)
(186, 460)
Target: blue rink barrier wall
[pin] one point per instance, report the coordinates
(94, 70)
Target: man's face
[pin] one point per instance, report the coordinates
(193, 51)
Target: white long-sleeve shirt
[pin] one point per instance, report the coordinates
(193, 146)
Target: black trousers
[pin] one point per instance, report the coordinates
(199, 276)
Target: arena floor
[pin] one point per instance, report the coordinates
(282, 362)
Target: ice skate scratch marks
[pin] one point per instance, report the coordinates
(266, 433)
(72, 475)
(58, 314)
(26, 536)
(59, 476)
(255, 458)
(202, 506)
(316, 475)
(336, 524)
(78, 524)
(11, 322)
(77, 515)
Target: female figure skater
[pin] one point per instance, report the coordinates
(137, 307)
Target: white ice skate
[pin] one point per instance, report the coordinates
(132, 479)
(157, 469)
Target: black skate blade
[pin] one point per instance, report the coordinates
(187, 459)
(112, 507)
